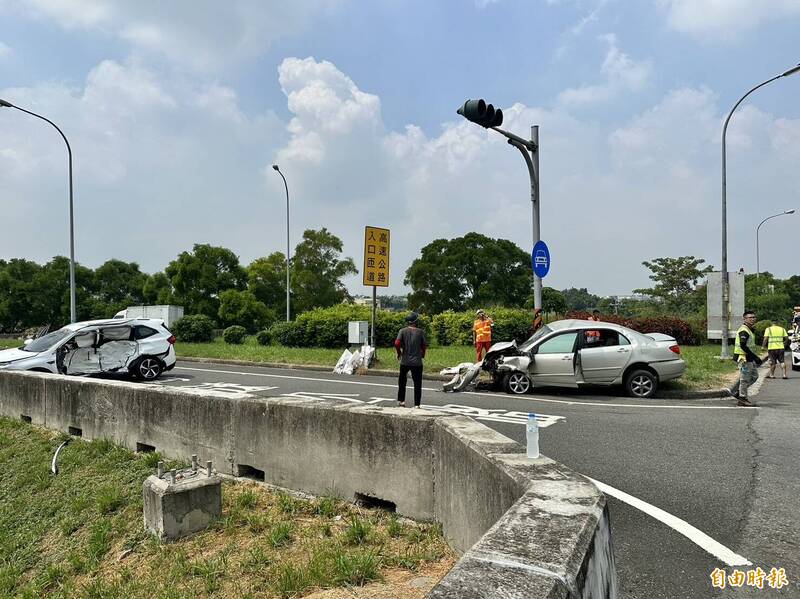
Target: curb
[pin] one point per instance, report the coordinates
(311, 367)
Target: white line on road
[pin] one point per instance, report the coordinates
(567, 402)
(698, 537)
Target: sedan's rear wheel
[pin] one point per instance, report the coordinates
(641, 383)
(517, 383)
(149, 369)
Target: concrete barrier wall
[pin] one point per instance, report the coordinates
(526, 528)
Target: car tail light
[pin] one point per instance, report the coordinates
(171, 340)
(675, 349)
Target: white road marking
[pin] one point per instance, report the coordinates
(348, 397)
(568, 402)
(495, 415)
(698, 537)
(231, 390)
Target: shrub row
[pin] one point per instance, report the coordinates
(455, 328)
(327, 327)
(682, 330)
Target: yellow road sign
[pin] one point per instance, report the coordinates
(376, 257)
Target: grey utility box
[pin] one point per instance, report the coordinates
(357, 332)
(178, 508)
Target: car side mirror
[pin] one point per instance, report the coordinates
(27, 342)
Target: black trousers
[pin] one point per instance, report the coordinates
(416, 376)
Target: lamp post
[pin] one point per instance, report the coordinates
(758, 265)
(275, 166)
(72, 310)
(725, 284)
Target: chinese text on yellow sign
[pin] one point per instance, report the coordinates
(376, 257)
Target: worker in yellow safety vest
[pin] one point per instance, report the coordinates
(745, 357)
(482, 334)
(775, 338)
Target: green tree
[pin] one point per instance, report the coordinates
(768, 297)
(198, 277)
(157, 290)
(468, 272)
(580, 298)
(266, 279)
(675, 281)
(16, 294)
(117, 285)
(317, 271)
(243, 309)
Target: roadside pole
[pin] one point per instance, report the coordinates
(374, 308)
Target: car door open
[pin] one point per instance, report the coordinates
(553, 361)
(81, 355)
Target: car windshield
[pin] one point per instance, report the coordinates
(535, 337)
(47, 341)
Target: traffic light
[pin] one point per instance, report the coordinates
(481, 113)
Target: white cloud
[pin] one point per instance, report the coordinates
(620, 74)
(184, 31)
(725, 19)
(194, 167)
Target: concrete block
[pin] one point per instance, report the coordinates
(320, 447)
(471, 492)
(22, 396)
(179, 509)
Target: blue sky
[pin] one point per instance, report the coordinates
(176, 110)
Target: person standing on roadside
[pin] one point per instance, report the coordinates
(745, 357)
(482, 334)
(410, 346)
(775, 338)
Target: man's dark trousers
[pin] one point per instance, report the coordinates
(416, 376)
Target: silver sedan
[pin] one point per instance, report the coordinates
(575, 353)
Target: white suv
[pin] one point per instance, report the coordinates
(142, 347)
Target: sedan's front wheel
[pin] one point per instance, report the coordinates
(641, 383)
(148, 369)
(517, 383)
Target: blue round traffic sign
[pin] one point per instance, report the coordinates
(540, 259)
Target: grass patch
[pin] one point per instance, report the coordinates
(704, 370)
(80, 534)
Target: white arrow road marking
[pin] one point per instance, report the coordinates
(698, 537)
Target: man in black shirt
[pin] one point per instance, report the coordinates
(410, 345)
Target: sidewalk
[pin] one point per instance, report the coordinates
(771, 531)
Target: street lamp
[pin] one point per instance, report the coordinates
(758, 266)
(725, 285)
(275, 166)
(485, 115)
(72, 311)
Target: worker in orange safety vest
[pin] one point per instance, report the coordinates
(482, 334)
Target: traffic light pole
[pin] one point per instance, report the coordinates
(530, 152)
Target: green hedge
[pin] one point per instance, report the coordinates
(455, 328)
(234, 335)
(327, 327)
(194, 328)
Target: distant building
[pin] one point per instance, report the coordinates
(366, 301)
